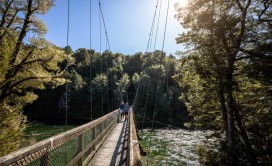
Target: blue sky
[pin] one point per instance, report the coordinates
(128, 23)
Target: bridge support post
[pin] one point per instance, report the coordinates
(118, 117)
(80, 148)
(102, 129)
(94, 137)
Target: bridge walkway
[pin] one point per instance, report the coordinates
(113, 151)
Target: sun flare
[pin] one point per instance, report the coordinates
(183, 2)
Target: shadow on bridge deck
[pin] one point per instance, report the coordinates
(113, 151)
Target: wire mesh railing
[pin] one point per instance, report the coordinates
(73, 147)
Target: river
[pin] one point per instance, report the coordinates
(176, 146)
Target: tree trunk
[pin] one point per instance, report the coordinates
(220, 93)
(251, 153)
(232, 160)
(230, 107)
(4, 15)
(22, 33)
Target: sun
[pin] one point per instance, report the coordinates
(183, 2)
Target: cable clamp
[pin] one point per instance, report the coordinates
(51, 142)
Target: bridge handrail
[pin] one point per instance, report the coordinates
(40, 152)
(134, 156)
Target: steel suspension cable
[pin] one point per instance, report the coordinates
(147, 50)
(148, 46)
(161, 123)
(157, 88)
(154, 109)
(66, 84)
(147, 94)
(105, 28)
(161, 55)
(165, 26)
(67, 62)
(167, 65)
(158, 21)
(151, 30)
(107, 39)
(101, 67)
(151, 35)
(142, 99)
(99, 15)
(91, 61)
(111, 87)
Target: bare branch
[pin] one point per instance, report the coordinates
(22, 33)
(9, 87)
(239, 5)
(8, 26)
(250, 54)
(266, 7)
(19, 66)
(8, 4)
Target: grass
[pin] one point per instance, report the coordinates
(37, 131)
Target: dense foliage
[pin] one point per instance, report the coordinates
(99, 82)
(23, 66)
(226, 74)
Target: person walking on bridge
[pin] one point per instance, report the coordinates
(121, 109)
(126, 109)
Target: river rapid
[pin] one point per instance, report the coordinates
(175, 146)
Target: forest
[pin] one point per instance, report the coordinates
(222, 81)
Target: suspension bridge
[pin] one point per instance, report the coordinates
(107, 140)
(104, 141)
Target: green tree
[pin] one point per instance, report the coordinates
(199, 95)
(122, 85)
(222, 34)
(24, 67)
(134, 64)
(99, 84)
(135, 79)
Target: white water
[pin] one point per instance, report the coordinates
(181, 146)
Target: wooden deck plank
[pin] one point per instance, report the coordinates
(113, 151)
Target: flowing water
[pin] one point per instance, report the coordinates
(175, 147)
